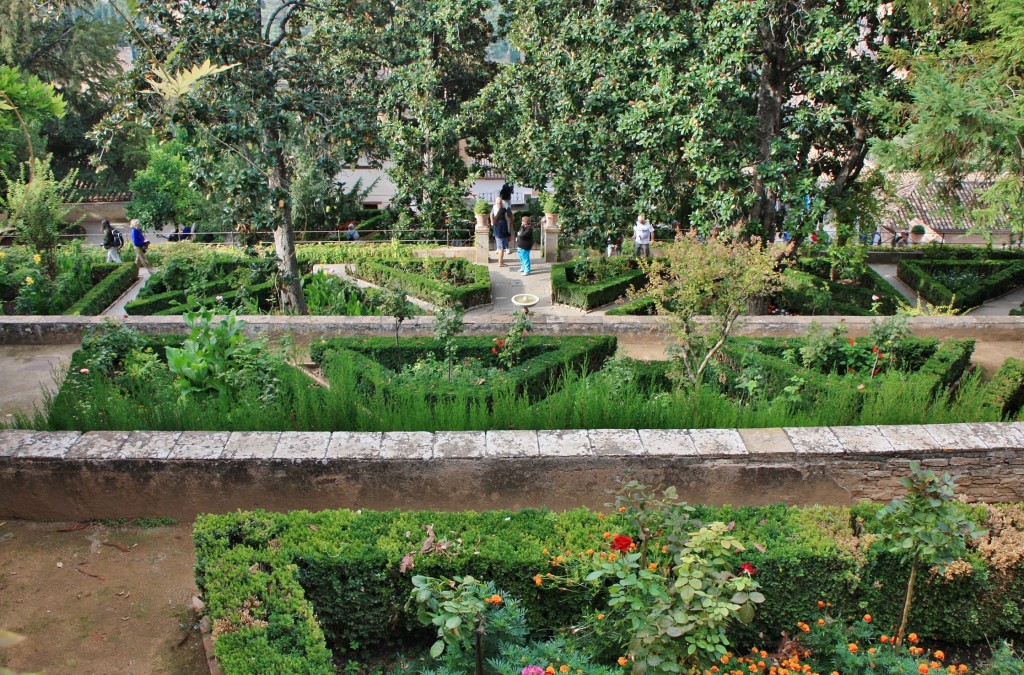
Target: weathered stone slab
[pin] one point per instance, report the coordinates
(251, 445)
(564, 443)
(354, 445)
(670, 442)
(99, 445)
(512, 443)
(407, 445)
(867, 439)
(615, 442)
(909, 438)
(299, 445)
(460, 444)
(200, 445)
(49, 445)
(814, 440)
(715, 442)
(148, 445)
(955, 437)
(767, 441)
(12, 440)
(998, 436)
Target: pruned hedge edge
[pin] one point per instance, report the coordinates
(432, 290)
(117, 280)
(914, 275)
(1006, 389)
(280, 587)
(589, 296)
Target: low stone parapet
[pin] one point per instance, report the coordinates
(125, 474)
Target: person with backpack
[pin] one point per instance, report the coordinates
(141, 245)
(524, 243)
(112, 242)
(501, 216)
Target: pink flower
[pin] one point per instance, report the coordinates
(219, 298)
(875, 298)
(533, 670)
(84, 371)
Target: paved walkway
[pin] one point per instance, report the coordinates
(117, 309)
(1000, 306)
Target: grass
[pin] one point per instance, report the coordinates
(608, 399)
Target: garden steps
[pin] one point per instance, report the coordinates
(123, 474)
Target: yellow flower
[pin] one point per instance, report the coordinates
(29, 280)
(37, 258)
(600, 617)
(2, 255)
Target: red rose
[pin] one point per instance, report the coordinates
(748, 569)
(621, 543)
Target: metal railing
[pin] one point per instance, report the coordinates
(460, 237)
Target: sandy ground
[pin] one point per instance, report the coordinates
(85, 605)
(28, 370)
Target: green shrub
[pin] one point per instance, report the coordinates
(1006, 389)
(413, 278)
(993, 279)
(347, 564)
(589, 296)
(114, 280)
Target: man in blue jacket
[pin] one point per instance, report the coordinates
(141, 245)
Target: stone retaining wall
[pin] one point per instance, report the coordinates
(113, 474)
(40, 330)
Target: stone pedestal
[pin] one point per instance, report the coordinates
(549, 237)
(482, 239)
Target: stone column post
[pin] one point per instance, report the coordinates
(550, 237)
(483, 239)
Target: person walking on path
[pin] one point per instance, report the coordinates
(643, 237)
(501, 217)
(110, 243)
(140, 244)
(524, 244)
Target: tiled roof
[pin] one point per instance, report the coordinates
(935, 206)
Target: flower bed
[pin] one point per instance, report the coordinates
(592, 282)
(280, 588)
(83, 284)
(961, 283)
(436, 280)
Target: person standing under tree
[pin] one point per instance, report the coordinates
(140, 244)
(643, 237)
(501, 217)
(110, 243)
(524, 244)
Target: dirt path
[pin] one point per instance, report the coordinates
(87, 606)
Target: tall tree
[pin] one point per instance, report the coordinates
(965, 117)
(727, 113)
(277, 96)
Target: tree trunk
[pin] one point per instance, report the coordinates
(292, 298)
(763, 217)
(905, 616)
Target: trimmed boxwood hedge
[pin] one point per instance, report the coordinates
(589, 296)
(1008, 275)
(544, 360)
(264, 576)
(435, 291)
(160, 302)
(113, 280)
(1006, 389)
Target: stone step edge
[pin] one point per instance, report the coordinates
(695, 444)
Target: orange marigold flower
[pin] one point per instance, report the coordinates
(867, 618)
(912, 637)
(622, 509)
(550, 670)
(653, 566)
(563, 668)
(725, 659)
(611, 557)
(939, 654)
(884, 639)
(664, 549)
(821, 603)
(590, 551)
(821, 622)
(494, 599)
(600, 516)
(934, 665)
(600, 617)
(962, 668)
(623, 660)
(538, 579)
(923, 669)
(852, 647)
(607, 535)
(545, 551)
(714, 669)
(764, 654)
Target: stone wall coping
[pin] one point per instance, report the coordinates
(27, 330)
(686, 444)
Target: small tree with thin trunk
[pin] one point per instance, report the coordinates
(702, 288)
(927, 526)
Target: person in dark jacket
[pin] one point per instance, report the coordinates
(524, 244)
(110, 243)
